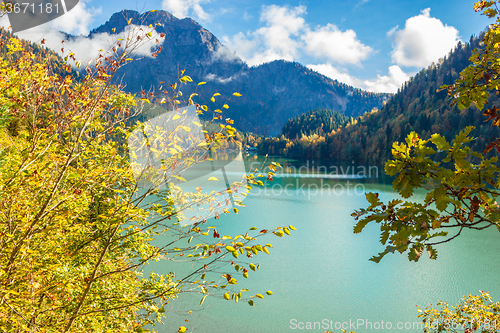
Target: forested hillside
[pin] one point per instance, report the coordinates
(320, 121)
(420, 105)
(41, 53)
(299, 132)
(272, 92)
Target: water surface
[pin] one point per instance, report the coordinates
(322, 273)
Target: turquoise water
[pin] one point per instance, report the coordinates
(322, 274)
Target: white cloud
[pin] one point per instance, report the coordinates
(285, 35)
(86, 48)
(386, 83)
(183, 8)
(245, 47)
(334, 73)
(225, 54)
(77, 21)
(423, 40)
(213, 77)
(276, 40)
(332, 44)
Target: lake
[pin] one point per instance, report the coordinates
(322, 274)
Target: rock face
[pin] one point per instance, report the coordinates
(272, 92)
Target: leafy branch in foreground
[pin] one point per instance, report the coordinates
(482, 76)
(76, 227)
(462, 188)
(460, 195)
(471, 314)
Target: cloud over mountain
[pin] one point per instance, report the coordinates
(424, 39)
(335, 45)
(184, 8)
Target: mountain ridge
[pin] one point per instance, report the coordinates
(272, 92)
(420, 106)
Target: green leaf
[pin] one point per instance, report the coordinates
(440, 142)
(432, 252)
(388, 249)
(441, 198)
(372, 199)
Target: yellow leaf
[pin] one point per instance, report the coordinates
(237, 94)
(212, 179)
(176, 117)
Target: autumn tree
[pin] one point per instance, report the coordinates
(76, 227)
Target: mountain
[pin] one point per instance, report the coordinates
(418, 106)
(272, 92)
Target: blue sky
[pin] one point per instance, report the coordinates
(371, 44)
